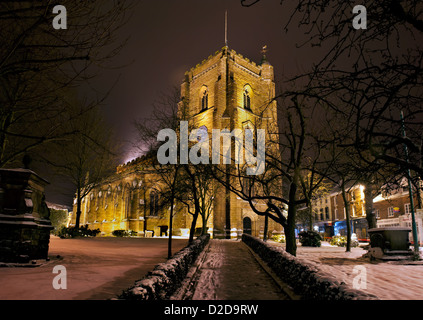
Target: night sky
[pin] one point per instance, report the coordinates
(167, 38)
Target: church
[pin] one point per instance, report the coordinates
(226, 91)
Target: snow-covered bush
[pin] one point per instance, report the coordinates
(341, 241)
(303, 277)
(279, 238)
(166, 277)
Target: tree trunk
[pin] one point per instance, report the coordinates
(347, 213)
(310, 221)
(78, 208)
(368, 198)
(266, 227)
(145, 215)
(204, 230)
(418, 194)
(193, 224)
(169, 248)
(291, 243)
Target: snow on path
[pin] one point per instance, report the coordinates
(228, 271)
(387, 280)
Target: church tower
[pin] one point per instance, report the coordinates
(228, 91)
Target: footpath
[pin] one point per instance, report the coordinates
(229, 270)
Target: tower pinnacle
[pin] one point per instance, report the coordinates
(264, 51)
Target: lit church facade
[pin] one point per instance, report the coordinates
(225, 91)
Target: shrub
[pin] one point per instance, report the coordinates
(73, 232)
(120, 233)
(341, 241)
(85, 232)
(306, 281)
(279, 238)
(65, 232)
(132, 233)
(124, 233)
(310, 238)
(166, 277)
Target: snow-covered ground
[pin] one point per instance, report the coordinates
(387, 280)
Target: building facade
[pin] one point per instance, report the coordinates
(391, 207)
(226, 92)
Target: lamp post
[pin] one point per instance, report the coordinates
(410, 193)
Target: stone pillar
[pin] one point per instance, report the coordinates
(24, 216)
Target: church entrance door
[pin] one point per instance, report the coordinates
(246, 223)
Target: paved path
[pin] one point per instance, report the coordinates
(228, 270)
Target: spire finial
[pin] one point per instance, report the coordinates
(226, 28)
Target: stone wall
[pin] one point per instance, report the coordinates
(163, 281)
(22, 243)
(24, 216)
(305, 280)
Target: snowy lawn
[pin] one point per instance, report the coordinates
(387, 280)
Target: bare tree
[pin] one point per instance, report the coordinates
(368, 77)
(292, 154)
(87, 157)
(39, 64)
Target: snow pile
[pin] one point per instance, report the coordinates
(305, 279)
(388, 280)
(162, 282)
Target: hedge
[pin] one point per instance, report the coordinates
(166, 277)
(306, 280)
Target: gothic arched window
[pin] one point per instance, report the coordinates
(247, 98)
(204, 99)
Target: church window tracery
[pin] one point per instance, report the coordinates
(204, 98)
(247, 98)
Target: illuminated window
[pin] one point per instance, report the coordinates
(390, 211)
(407, 208)
(247, 99)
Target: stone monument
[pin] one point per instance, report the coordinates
(24, 216)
